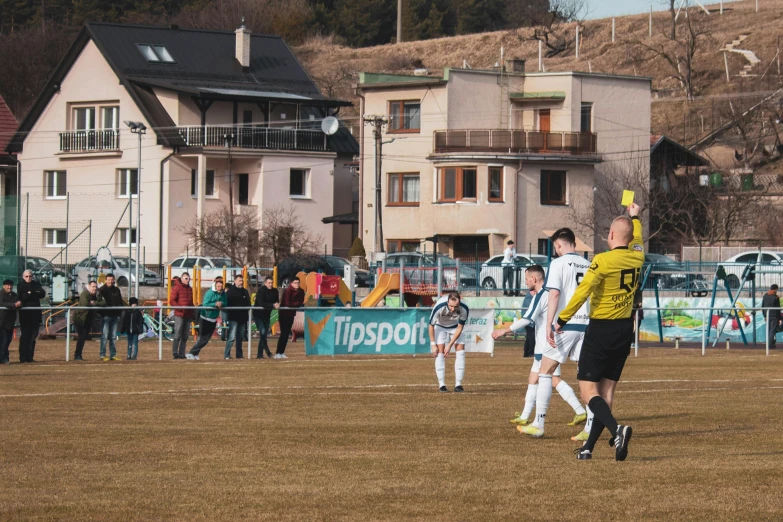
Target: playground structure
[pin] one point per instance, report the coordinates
(417, 285)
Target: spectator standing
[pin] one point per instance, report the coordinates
(132, 324)
(181, 295)
(293, 297)
(110, 316)
(771, 300)
(236, 296)
(509, 259)
(214, 300)
(30, 295)
(83, 318)
(267, 299)
(9, 302)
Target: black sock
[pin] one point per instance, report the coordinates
(602, 411)
(595, 434)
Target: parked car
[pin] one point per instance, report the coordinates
(769, 268)
(491, 275)
(292, 265)
(667, 274)
(337, 264)
(88, 268)
(211, 267)
(467, 274)
(12, 267)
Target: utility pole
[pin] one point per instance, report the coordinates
(399, 21)
(378, 123)
(229, 139)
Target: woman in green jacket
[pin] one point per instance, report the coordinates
(214, 300)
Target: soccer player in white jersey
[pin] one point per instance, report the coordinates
(564, 275)
(536, 314)
(447, 321)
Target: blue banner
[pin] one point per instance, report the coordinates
(341, 332)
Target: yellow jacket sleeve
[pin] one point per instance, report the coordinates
(636, 247)
(592, 279)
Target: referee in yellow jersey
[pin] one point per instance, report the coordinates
(610, 284)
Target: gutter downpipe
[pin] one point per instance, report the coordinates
(516, 200)
(160, 208)
(19, 208)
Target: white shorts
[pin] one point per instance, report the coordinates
(569, 345)
(445, 335)
(537, 366)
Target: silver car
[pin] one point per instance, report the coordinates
(88, 269)
(491, 275)
(211, 267)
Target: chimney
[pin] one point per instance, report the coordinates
(243, 46)
(517, 65)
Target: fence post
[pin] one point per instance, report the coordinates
(457, 279)
(160, 332)
(402, 283)
(249, 333)
(68, 335)
(613, 30)
(767, 332)
(636, 335)
(440, 275)
(703, 333)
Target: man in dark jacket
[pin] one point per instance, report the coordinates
(236, 296)
(771, 301)
(181, 295)
(267, 300)
(84, 317)
(9, 302)
(30, 295)
(113, 297)
(293, 297)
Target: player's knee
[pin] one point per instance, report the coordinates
(556, 381)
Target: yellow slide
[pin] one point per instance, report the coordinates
(386, 283)
(345, 295)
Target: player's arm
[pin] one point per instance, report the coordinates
(554, 297)
(592, 279)
(636, 247)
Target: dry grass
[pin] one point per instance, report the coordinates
(370, 439)
(596, 53)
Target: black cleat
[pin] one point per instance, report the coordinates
(583, 454)
(621, 445)
(443, 389)
(78, 358)
(459, 389)
(611, 442)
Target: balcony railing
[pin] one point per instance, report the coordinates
(247, 137)
(90, 140)
(515, 141)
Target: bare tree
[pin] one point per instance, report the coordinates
(214, 237)
(551, 26)
(673, 14)
(283, 234)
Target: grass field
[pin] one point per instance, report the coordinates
(371, 439)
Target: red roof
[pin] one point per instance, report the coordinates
(8, 125)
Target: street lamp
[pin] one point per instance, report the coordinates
(140, 129)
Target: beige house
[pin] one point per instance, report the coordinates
(205, 97)
(480, 157)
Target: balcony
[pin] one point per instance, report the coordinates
(247, 137)
(515, 142)
(90, 141)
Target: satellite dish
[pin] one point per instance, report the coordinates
(330, 125)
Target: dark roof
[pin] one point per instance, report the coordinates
(343, 142)
(352, 218)
(682, 155)
(8, 126)
(204, 66)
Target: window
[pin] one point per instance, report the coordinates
(189, 262)
(400, 245)
(83, 118)
(496, 184)
(177, 263)
(244, 193)
(209, 189)
(543, 247)
(110, 118)
(553, 187)
(404, 116)
(457, 183)
(155, 53)
(128, 183)
(586, 119)
(247, 117)
(404, 189)
(55, 237)
(122, 236)
(298, 183)
(55, 184)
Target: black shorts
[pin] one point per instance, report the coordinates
(606, 346)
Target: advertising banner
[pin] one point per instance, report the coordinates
(379, 331)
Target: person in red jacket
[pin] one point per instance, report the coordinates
(181, 295)
(293, 297)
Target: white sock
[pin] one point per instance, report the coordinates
(543, 394)
(459, 367)
(530, 400)
(568, 395)
(589, 423)
(440, 369)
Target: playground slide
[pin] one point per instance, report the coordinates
(345, 294)
(386, 283)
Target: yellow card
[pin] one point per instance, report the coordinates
(627, 197)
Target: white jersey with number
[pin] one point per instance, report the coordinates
(564, 274)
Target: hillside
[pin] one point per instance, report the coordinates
(335, 67)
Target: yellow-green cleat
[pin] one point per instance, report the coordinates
(578, 419)
(531, 430)
(580, 437)
(518, 420)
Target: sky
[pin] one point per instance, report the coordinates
(607, 8)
